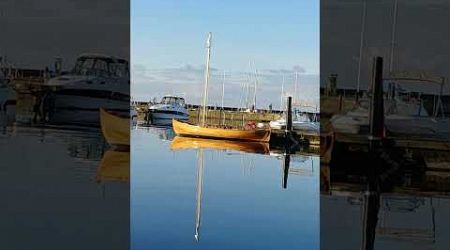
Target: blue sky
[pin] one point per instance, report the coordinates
(279, 37)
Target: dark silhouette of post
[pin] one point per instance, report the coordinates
(371, 199)
(286, 162)
(289, 115)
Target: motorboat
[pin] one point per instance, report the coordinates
(133, 114)
(403, 116)
(96, 81)
(170, 107)
(300, 122)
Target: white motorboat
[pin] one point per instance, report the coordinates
(300, 122)
(97, 81)
(170, 107)
(401, 117)
(133, 113)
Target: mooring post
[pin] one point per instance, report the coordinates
(286, 163)
(372, 195)
(289, 115)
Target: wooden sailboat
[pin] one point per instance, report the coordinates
(115, 128)
(251, 135)
(186, 129)
(180, 143)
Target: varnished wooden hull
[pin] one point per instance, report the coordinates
(180, 143)
(254, 135)
(116, 129)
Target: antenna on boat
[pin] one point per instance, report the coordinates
(205, 91)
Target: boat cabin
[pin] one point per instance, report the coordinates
(99, 65)
(173, 100)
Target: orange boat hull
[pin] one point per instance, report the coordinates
(115, 129)
(254, 135)
(180, 143)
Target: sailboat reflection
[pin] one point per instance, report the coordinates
(114, 167)
(199, 194)
(179, 143)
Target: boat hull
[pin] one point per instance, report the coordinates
(115, 129)
(168, 116)
(84, 110)
(186, 129)
(296, 125)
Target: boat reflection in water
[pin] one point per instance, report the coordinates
(377, 214)
(114, 167)
(180, 142)
(303, 164)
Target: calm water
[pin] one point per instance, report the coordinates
(243, 203)
(413, 215)
(55, 194)
(404, 221)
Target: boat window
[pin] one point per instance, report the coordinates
(101, 67)
(119, 69)
(84, 66)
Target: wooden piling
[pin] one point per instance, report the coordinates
(289, 114)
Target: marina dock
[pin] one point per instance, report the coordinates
(235, 117)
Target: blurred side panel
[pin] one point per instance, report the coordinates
(64, 180)
(385, 134)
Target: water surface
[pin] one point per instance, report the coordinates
(242, 205)
(54, 194)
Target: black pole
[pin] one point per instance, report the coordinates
(372, 194)
(286, 162)
(289, 114)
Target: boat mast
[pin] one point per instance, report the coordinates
(199, 194)
(281, 96)
(361, 46)
(394, 24)
(256, 84)
(223, 87)
(295, 88)
(205, 91)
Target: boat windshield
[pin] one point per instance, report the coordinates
(173, 100)
(101, 66)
